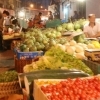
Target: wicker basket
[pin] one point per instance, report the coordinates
(94, 66)
(9, 88)
(20, 63)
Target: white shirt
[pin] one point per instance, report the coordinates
(6, 21)
(91, 31)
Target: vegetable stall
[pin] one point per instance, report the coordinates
(57, 58)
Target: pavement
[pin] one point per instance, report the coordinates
(6, 60)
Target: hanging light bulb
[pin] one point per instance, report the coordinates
(41, 6)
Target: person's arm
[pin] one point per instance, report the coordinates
(1, 24)
(86, 34)
(96, 35)
(85, 29)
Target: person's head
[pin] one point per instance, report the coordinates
(91, 18)
(40, 14)
(12, 17)
(49, 12)
(5, 13)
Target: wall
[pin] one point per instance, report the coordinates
(71, 8)
(93, 6)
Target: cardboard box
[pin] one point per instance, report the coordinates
(38, 93)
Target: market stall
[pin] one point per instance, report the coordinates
(55, 53)
(8, 40)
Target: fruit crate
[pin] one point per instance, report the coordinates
(28, 55)
(94, 66)
(38, 94)
(53, 23)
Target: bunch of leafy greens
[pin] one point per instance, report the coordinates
(56, 58)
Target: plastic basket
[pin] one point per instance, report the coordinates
(28, 55)
(53, 23)
(94, 66)
(20, 63)
(9, 88)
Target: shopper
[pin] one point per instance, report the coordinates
(92, 29)
(50, 15)
(76, 16)
(1, 29)
(6, 25)
(7, 21)
(30, 23)
(15, 25)
(37, 22)
(37, 19)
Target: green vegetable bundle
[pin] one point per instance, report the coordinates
(8, 76)
(56, 58)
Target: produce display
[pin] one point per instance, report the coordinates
(37, 39)
(8, 76)
(42, 39)
(75, 26)
(78, 49)
(56, 58)
(72, 89)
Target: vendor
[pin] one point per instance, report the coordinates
(92, 29)
(1, 29)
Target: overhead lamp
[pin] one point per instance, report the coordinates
(31, 5)
(41, 6)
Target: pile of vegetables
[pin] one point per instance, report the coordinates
(69, 89)
(56, 58)
(37, 39)
(75, 26)
(8, 76)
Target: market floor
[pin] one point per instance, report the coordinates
(7, 63)
(6, 60)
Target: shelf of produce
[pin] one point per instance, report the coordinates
(41, 84)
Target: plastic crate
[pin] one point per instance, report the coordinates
(20, 63)
(94, 66)
(53, 23)
(28, 55)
